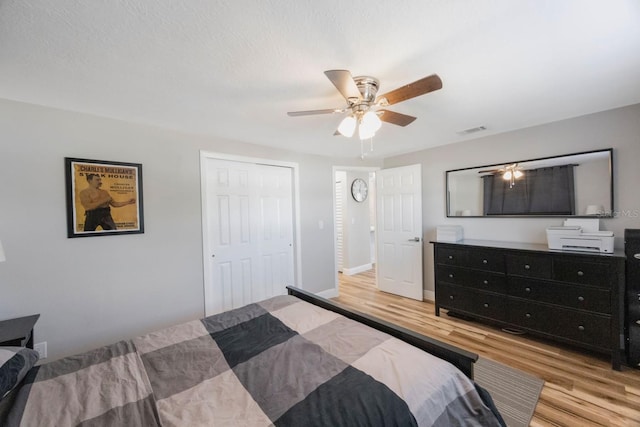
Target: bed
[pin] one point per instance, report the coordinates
(290, 360)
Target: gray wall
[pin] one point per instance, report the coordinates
(357, 227)
(96, 290)
(618, 129)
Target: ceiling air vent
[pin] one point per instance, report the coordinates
(472, 130)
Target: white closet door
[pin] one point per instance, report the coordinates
(248, 233)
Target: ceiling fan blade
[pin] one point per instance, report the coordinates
(343, 81)
(312, 112)
(417, 88)
(396, 118)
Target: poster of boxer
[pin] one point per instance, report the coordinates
(103, 197)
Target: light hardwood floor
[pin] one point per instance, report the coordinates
(580, 389)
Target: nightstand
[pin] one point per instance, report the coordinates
(18, 332)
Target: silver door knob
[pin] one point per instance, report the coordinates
(415, 239)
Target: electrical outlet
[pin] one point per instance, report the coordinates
(41, 348)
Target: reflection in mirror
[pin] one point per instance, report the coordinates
(579, 184)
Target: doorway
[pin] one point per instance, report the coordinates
(354, 221)
(394, 215)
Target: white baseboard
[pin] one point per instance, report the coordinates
(429, 295)
(329, 293)
(356, 270)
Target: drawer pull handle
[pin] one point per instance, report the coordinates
(486, 282)
(636, 256)
(450, 256)
(528, 315)
(581, 298)
(451, 275)
(581, 328)
(450, 296)
(527, 267)
(580, 273)
(484, 261)
(486, 305)
(527, 289)
(637, 322)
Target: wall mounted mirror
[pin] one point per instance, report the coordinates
(571, 185)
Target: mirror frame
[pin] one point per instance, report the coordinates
(609, 210)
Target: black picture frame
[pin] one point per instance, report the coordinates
(104, 198)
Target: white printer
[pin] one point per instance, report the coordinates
(580, 235)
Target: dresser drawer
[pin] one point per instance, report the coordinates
(451, 256)
(479, 303)
(478, 280)
(453, 297)
(486, 260)
(583, 298)
(529, 265)
(587, 273)
(591, 329)
(491, 306)
(452, 274)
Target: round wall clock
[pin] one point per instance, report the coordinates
(359, 190)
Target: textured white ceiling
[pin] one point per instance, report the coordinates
(234, 68)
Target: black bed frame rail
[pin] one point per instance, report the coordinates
(460, 358)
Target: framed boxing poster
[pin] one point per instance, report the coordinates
(103, 197)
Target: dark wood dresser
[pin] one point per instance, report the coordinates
(572, 297)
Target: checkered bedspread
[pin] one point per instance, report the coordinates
(280, 362)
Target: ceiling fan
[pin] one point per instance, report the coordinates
(366, 110)
(509, 173)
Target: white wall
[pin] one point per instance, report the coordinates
(618, 129)
(96, 290)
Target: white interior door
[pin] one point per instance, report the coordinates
(399, 231)
(248, 232)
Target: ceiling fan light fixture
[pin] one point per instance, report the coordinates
(507, 175)
(517, 174)
(365, 132)
(347, 126)
(371, 121)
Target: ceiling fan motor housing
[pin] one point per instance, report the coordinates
(368, 87)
